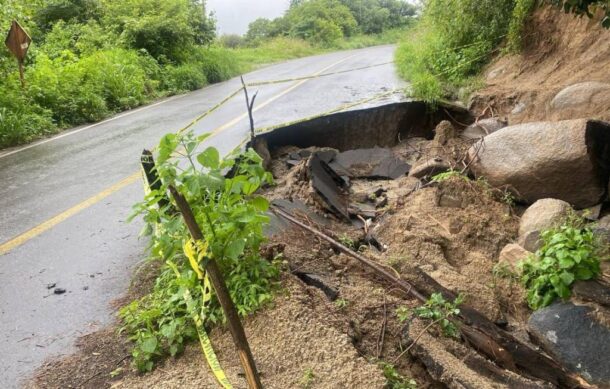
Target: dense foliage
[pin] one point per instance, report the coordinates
(231, 218)
(450, 44)
(570, 253)
(92, 58)
(327, 21)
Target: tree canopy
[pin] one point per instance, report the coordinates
(325, 21)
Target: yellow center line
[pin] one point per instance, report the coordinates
(47, 225)
(50, 223)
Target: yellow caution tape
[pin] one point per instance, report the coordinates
(196, 252)
(259, 83)
(334, 110)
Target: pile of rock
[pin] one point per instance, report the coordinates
(558, 168)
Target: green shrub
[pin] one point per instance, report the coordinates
(451, 43)
(522, 10)
(185, 77)
(217, 63)
(569, 253)
(231, 218)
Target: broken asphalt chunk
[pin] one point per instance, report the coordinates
(329, 186)
(377, 163)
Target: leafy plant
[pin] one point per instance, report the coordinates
(436, 309)
(394, 380)
(403, 314)
(231, 218)
(569, 253)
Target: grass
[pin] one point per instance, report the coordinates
(442, 55)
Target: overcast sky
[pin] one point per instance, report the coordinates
(233, 16)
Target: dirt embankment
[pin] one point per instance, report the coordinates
(560, 51)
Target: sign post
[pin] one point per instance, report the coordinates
(18, 42)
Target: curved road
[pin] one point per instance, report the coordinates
(64, 200)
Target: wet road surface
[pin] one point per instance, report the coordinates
(64, 201)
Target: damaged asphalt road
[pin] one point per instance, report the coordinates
(91, 251)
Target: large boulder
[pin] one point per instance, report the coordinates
(580, 94)
(566, 160)
(572, 335)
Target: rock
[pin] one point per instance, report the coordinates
(519, 108)
(592, 291)
(450, 201)
(512, 254)
(592, 213)
(443, 132)
(429, 167)
(602, 229)
(562, 160)
(581, 94)
(495, 72)
(262, 149)
(572, 336)
(530, 241)
(544, 214)
(483, 128)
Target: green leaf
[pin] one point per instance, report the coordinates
(167, 145)
(209, 158)
(260, 203)
(583, 273)
(149, 345)
(567, 278)
(234, 249)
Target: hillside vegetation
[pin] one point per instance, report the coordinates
(92, 58)
(443, 54)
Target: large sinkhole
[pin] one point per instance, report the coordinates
(382, 126)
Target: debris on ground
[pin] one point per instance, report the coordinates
(413, 209)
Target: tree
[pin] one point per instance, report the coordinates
(325, 20)
(375, 16)
(166, 29)
(258, 30)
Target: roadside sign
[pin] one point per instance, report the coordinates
(18, 42)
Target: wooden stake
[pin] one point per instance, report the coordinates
(235, 327)
(152, 178)
(21, 74)
(250, 107)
